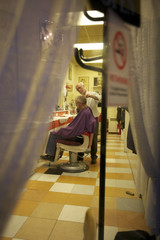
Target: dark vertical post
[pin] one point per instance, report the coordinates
(103, 135)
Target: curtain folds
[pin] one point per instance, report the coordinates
(31, 80)
(144, 101)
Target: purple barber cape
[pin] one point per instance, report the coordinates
(83, 122)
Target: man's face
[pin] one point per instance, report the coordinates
(80, 89)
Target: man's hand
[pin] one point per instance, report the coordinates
(88, 95)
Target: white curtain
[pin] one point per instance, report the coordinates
(30, 83)
(144, 103)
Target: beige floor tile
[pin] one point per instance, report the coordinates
(33, 195)
(36, 229)
(114, 150)
(133, 220)
(67, 231)
(121, 156)
(117, 145)
(24, 208)
(77, 180)
(39, 185)
(119, 165)
(56, 197)
(79, 200)
(47, 210)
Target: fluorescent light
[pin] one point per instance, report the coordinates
(95, 61)
(83, 20)
(89, 46)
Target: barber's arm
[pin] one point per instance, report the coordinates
(95, 96)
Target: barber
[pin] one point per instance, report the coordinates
(93, 99)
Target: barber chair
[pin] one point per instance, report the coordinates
(73, 165)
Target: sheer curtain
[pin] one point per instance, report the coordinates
(144, 103)
(30, 85)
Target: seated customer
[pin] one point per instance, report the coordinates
(83, 122)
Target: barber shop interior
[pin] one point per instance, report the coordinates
(80, 156)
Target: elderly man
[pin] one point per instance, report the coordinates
(83, 122)
(93, 99)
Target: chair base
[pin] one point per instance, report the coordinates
(74, 167)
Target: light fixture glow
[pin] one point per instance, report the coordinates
(95, 61)
(89, 46)
(83, 20)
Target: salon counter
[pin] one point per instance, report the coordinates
(61, 121)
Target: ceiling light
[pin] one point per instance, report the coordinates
(95, 61)
(89, 46)
(83, 20)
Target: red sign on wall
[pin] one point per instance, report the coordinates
(118, 61)
(120, 50)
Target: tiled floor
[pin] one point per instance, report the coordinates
(53, 207)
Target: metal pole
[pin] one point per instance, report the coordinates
(103, 136)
